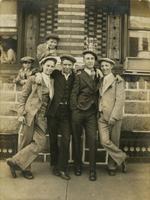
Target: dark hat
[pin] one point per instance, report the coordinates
(27, 59)
(44, 59)
(90, 52)
(52, 36)
(68, 57)
(107, 60)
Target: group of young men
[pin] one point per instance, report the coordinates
(91, 100)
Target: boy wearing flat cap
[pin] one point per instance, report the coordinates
(32, 109)
(111, 101)
(59, 119)
(49, 47)
(26, 70)
(83, 102)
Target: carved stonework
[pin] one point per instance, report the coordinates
(114, 37)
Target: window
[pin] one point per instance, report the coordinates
(8, 31)
(139, 36)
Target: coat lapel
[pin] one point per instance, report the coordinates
(108, 83)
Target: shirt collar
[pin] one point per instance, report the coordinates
(65, 75)
(88, 71)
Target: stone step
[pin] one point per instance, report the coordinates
(8, 124)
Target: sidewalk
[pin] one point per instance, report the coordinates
(135, 185)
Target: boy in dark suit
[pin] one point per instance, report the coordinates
(84, 112)
(59, 117)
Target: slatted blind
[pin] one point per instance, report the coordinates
(48, 19)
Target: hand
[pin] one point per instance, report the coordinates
(99, 74)
(21, 119)
(111, 122)
(38, 78)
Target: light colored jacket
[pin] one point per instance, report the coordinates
(111, 99)
(30, 100)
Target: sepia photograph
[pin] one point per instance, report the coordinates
(74, 99)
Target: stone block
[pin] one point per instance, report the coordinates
(136, 95)
(138, 123)
(132, 85)
(8, 109)
(8, 124)
(141, 83)
(148, 85)
(8, 87)
(137, 107)
(7, 96)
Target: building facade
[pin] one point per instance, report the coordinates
(116, 29)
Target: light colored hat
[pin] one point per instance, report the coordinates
(107, 60)
(27, 59)
(44, 59)
(68, 57)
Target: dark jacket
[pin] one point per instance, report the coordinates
(84, 92)
(59, 88)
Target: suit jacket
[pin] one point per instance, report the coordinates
(59, 86)
(30, 100)
(111, 99)
(43, 50)
(84, 92)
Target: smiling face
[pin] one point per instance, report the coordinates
(89, 60)
(67, 66)
(52, 43)
(106, 67)
(48, 67)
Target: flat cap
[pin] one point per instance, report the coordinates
(90, 52)
(44, 59)
(68, 57)
(107, 60)
(52, 36)
(27, 59)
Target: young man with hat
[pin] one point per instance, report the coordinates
(32, 114)
(84, 112)
(59, 117)
(26, 70)
(49, 47)
(111, 101)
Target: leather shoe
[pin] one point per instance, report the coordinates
(64, 175)
(78, 171)
(56, 171)
(92, 176)
(27, 174)
(13, 167)
(112, 172)
(124, 167)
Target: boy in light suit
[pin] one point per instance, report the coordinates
(111, 101)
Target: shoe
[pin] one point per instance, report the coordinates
(64, 175)
(124, 167)
(13, 167)
(78, 171)
(56, 171)
(27, 174)
(92, 176)
(112, 172)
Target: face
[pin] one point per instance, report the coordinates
(48, 67)
(106, 67)
(67, 66)
(27, 64)
(89, 60)
(52, 43)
